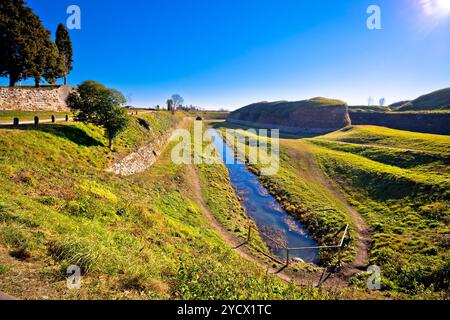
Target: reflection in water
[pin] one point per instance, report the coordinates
(278, 228)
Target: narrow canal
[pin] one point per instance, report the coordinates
(277, 228)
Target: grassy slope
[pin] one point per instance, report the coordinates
(369, 109)
(135, 237)
(437, 100)
(399, 181)
(8, 116)
(285, 108)
(381, 136)
(303, 197)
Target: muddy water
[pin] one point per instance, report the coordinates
(278, 229)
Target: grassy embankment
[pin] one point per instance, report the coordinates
(302, 196)
(8, 116)
(137, 237)
(400, 183)
(211, 115)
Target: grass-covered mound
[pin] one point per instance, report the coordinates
(285, 108)
(400, 182)
(437, 100)
(139, 237)
(318, 114)
(376, 109)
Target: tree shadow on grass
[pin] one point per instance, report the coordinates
(69, 132)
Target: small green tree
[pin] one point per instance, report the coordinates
(64, 44)
(96, 104)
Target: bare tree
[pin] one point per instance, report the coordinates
(177, 100)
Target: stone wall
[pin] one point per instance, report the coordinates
(34, 99)
(145, 156)
(437, 123)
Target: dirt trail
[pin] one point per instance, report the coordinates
(301, 279)
(309, 168)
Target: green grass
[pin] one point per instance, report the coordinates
(284, 108)
(140, 237)
(437, 100)
(419, 160)
(378, 109)
(403, 195)
(398, 181)
(221, 199)
(385, 137)
(209, 115)
(8, 116)
(302, 197)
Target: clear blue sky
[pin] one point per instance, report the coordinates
(228, 53)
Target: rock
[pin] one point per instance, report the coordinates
(298, 260)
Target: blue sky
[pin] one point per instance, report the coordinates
(229, 53)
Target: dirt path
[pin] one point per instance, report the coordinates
(309, 168)
(301, 279)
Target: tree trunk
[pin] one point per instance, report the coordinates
(65, 80)
(12, 81)
(111, 145)
(37, 81)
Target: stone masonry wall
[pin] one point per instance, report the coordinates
(34, 99)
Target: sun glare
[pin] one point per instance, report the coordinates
(436, 7)
(444, 5)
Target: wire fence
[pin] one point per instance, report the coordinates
(289, 250)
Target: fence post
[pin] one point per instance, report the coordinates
(53, 119)
(249, 233)
(67, 117)
(16, 121)
(36, 120)
(287, 257)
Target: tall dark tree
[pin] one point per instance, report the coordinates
(96, 104)
(64, 44)
(55, 67)
(26, 49)
(12, 40)
(170, 106)
(42, 54)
